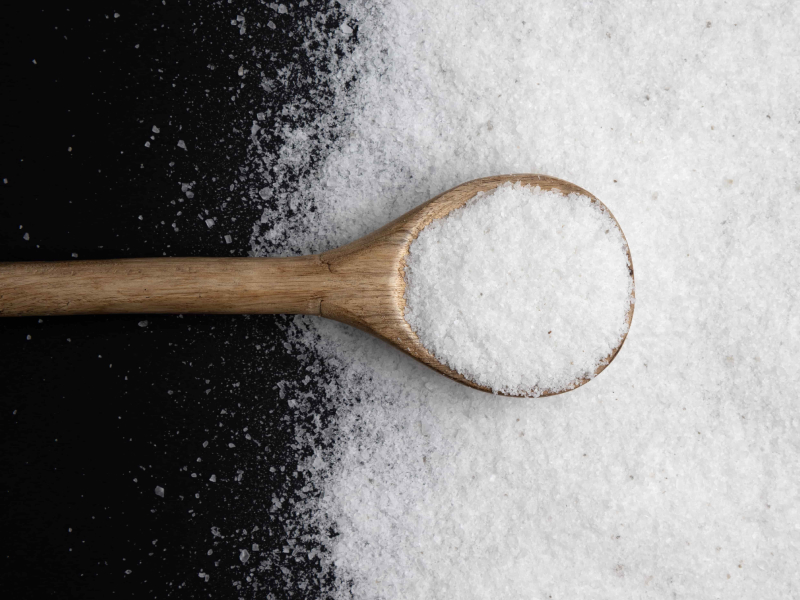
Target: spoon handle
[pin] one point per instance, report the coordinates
(165, 285)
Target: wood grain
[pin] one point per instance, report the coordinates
(361, 284)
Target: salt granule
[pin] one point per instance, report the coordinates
(521, 290)
(159, 491)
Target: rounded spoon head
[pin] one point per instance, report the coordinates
(375, 302)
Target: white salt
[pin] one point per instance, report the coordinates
(159, 491)
(181, 144)
(676, 477)
(521, 290)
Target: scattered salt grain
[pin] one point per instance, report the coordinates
(26, 236)
(144, 323)
(244, 556)
(156, 129)
(209, 223)
(159, 491)
(228, 239)
(659, 478)
(520, 290)
(181, 144)
(656, 481)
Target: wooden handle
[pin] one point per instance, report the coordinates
(165, 285)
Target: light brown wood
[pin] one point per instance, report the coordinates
(361, 284)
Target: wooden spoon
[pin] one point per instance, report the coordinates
(361, 284)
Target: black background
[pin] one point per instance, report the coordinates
(98, 410)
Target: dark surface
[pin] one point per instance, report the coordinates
(97, 411)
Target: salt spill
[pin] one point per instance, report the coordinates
(677, 472)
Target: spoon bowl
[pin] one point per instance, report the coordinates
(380, 308)
(361, 284)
